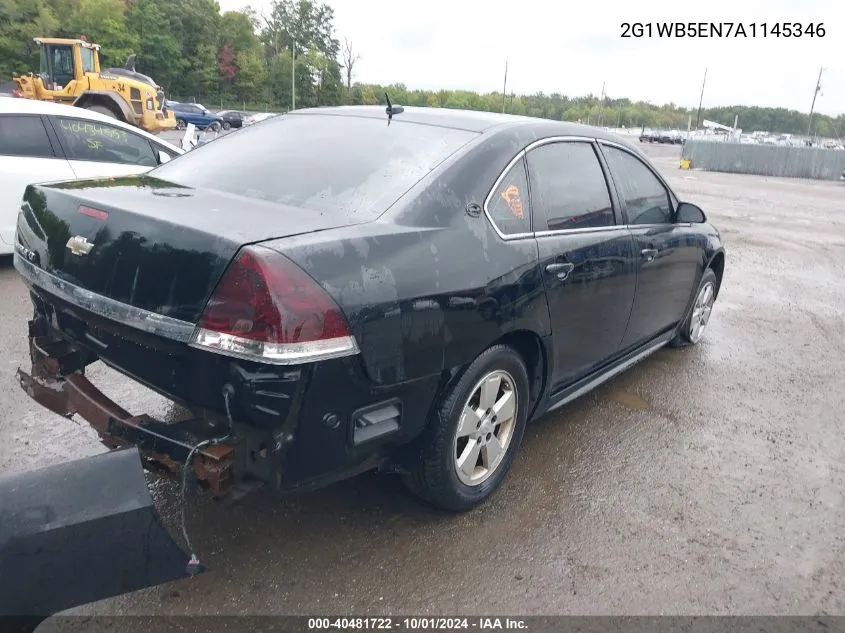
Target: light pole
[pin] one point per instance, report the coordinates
(700, 100)
(601, 105)
(505, 86)
(293, 74)
(813, 105)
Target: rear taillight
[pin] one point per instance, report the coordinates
(267, 309)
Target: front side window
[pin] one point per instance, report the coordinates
(24, 136)
(100, 142)
(568, 186)
(508, 206)
(645, 196)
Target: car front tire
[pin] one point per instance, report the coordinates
(227, 125)
(692, 329)
(180, 124)
(474, 433)
(214, 127)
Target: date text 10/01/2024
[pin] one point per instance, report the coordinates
(723, 29)
(422, 623)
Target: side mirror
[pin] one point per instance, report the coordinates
(163, 157)
(688, 212)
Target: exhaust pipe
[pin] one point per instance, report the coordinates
(80, 532)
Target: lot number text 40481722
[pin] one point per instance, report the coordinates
(723, 29)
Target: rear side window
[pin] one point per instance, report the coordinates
(100, 142)
(24, 136)
(568, 186)
(350, 165)
(645, 196)
(508, 206)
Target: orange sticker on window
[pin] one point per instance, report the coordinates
(514, 200)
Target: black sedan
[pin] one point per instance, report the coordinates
(338, 290)
(232, 118)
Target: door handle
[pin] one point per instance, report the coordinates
(560, 270)
(649, 254)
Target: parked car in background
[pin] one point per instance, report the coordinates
(42, 141)
(669, 137)
(232, 118)
(260, 116)
(197, 114)
(331, 294)
(649, 137)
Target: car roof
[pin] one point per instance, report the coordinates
(48, 108)
(470, 120)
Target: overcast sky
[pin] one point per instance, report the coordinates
(571, 47)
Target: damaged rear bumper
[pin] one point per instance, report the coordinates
(57, 382)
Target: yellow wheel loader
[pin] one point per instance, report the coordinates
(70, 73)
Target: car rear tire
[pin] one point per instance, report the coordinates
(180, 124)
(101, 109)
(693, 327)
(227, 125)
(475, 433)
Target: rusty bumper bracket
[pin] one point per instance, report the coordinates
(164, 447)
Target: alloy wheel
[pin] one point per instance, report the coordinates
(701, 311)
(485, 428)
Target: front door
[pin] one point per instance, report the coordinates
(669, 258)
(586, 256)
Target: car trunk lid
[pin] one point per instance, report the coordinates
(148, 243)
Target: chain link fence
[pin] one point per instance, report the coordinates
(765, 160)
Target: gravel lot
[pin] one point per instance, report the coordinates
(703, 481)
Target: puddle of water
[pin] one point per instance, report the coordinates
(630, 400)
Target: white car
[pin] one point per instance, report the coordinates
(42, 141)
(257, 118)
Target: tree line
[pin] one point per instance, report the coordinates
(248, 58)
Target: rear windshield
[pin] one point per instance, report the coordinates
(353, 165)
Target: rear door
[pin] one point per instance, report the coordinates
(95, 149)
(669, 258)
(586, 255)
(27, 156)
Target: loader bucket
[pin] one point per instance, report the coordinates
(80, 532)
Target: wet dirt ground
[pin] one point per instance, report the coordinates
(709, 480)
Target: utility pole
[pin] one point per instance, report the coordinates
(601, 104)
(813, 105)
(700, 100)
(293, 75)
(505, 86)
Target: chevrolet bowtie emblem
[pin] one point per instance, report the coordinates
(79, 245)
